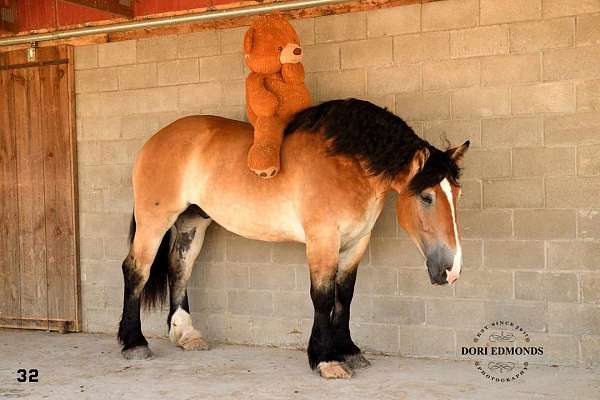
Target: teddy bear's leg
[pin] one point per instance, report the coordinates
(263, 157)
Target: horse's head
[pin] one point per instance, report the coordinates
(427, 209)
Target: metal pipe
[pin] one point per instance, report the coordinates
(178, 19)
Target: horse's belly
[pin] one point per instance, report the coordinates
(254, 223)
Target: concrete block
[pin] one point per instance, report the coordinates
(415, 48)
(513, 193)
(578, 192)
(340, 27)
(546, 286)
(481, 41)
(471, 194)
(576, 319)
(529, 316)
(588, 95)
(272, 277)
(394, 21)
(588, 30)
(543, 98)
(512, 132)
(590, 287)
(426, 341)
(397, 79)
(198, 96)
(455, 313)
(485, 285)
(558, 8)
(321, 57)
(485, 224)
(245, 250)
(394, 252)
(138, 76)
(211, 68)
(510, 69)
(86, 56)
(544, 161)
(370, 52)
(96, 80)
(501, 11)
(337, 85)
(480, 102)
(377, 281)
(232, 39)
(590, 350)
(198, 44)
(423, 106)
(116, 53)
(514, 254)
(292, 305)
(456, 132)
(389, 309)
(451, 14)
(375, 337)
(451, 74)
(540, 35)
(588, 160)
(246, 302)
(178, 72)
(588, 226)
(572, 129)
(575, 63)
(487, 163)
(574, 254)
(415, 282)
(305, 28)
(544, 224)
(160, 48)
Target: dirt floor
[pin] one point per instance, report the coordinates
(83, 366)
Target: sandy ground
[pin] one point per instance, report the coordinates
(84, 366)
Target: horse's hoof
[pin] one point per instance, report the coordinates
(266, 173)
(137, 353)
(356, 361)
(193, 341)
(334, 370)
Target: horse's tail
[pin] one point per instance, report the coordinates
(155, 291)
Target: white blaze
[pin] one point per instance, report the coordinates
(457, 263)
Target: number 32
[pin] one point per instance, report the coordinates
(33, 375)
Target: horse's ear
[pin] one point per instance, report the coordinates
(418, 161)
(457, 153)
(248, 40)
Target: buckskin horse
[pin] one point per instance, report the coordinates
(339, 160)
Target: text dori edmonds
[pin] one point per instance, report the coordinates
(503, 351)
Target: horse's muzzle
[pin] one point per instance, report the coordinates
(439, 264)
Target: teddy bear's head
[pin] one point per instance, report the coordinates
(269, 42)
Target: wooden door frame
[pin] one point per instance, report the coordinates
(46, 56)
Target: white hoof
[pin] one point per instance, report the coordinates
(183, 334)
(334, 370)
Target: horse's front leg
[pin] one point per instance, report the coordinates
(344, 291)
(322, 253)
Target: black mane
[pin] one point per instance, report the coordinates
(383, 140)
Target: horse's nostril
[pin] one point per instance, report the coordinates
(297, 51)
(449, 268)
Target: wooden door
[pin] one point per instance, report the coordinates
(39, 273)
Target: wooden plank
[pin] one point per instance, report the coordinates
(30, 164)
(10, 300)
(58, 185)
(111, 6)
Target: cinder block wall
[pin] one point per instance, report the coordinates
(520, 79)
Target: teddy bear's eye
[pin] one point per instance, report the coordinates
(280, 49)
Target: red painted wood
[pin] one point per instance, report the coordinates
(148, 7)
(35, 14)
(71, 14)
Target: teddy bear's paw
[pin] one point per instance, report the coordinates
(263, 161)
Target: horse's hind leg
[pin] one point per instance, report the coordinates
(190, 228)
(136, 271)
(344, 291)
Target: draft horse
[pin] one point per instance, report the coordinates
(339, 160)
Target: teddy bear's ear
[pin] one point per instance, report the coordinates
(248, 40)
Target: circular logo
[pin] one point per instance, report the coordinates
(502, 351)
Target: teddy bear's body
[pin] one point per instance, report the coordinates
(275, 88)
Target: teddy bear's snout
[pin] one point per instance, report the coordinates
(291, 54)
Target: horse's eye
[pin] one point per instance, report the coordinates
(426, 198)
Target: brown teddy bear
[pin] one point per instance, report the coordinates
(275, 88)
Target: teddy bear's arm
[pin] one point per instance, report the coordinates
(293, 73)
(262, 102)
